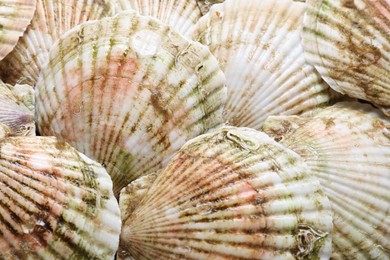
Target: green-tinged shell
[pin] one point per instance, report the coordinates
(13, 110)
(52, 19)
(231, 194)
(258, 46)
(348, 41)
(129, 91)
(347, 146)
(55, 203)
(15, 16)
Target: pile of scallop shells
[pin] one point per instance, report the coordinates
(194, 129)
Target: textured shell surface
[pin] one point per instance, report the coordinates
(55, 202)
(13, 110)
(231, 194)
(4, 131)
(204, 5)
(347, 146)
(348, 41)
(129, 93)
(180, 14)
(15, 16)
(259, 49)
(51, 20)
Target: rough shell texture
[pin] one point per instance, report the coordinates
(259, 49)
(349, 43)
(13, 110)
(55, 202)
(347, 147)
(231, 194)
(15, 16)
(4, 131)
(204, 5)
(180, 14)
(129, 93)
(51, 20)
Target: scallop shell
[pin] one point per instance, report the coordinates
(231, 194)
(4, 131)
(51, 20)
(204, 5)
(347, 147)
(348, 41)
(13, 110)
(180, 14)
(259, 50)
(55, 202)
(15, 16)
(129, 93)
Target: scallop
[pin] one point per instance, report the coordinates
(51, 20)
(128, 91)
(16, 110)
(55, 203)
(348, 41)
(231, 194)
(4, 131)
(347, 147)
(259, 49)
(15, 16)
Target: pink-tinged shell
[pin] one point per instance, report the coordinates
(347, 146)
(231, 194)
(52, 19)
(15, 16)
(348, 41)
(55, 203)
(129, 91)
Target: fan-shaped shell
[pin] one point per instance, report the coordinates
(259, 49)
(347, 147)
(348, 41)
(51, 20)
(129, 93)
(231, 194)
(15, 16)
(13, 110)
(55, 202)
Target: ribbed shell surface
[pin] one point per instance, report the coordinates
(13, 110)
(55, 203)
(15, 16)
(348, 41)
(231, 194)
(181, 15)
(129, 92)
(258, 46)
(347, 147)
(51, 20)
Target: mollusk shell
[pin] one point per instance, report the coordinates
(347, 146)
(204, 5)
(348, 41)
(4, 131)
(15, 16)
(55, 202)
(51, 20)
(259, 49)
(129, 93)
(13, 110)
(231, 194)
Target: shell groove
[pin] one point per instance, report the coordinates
(348, 41)
(129, 93)
(259, 49)
(347, 147)
(231, 194)
(15, 16)
(55, 203)
(51, 20)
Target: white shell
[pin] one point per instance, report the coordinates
(129, 93)
(15, 16)
(347, 146)
(259, 49)
(348, 41)
(231, 194)
(55, 203)
(51, 20)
